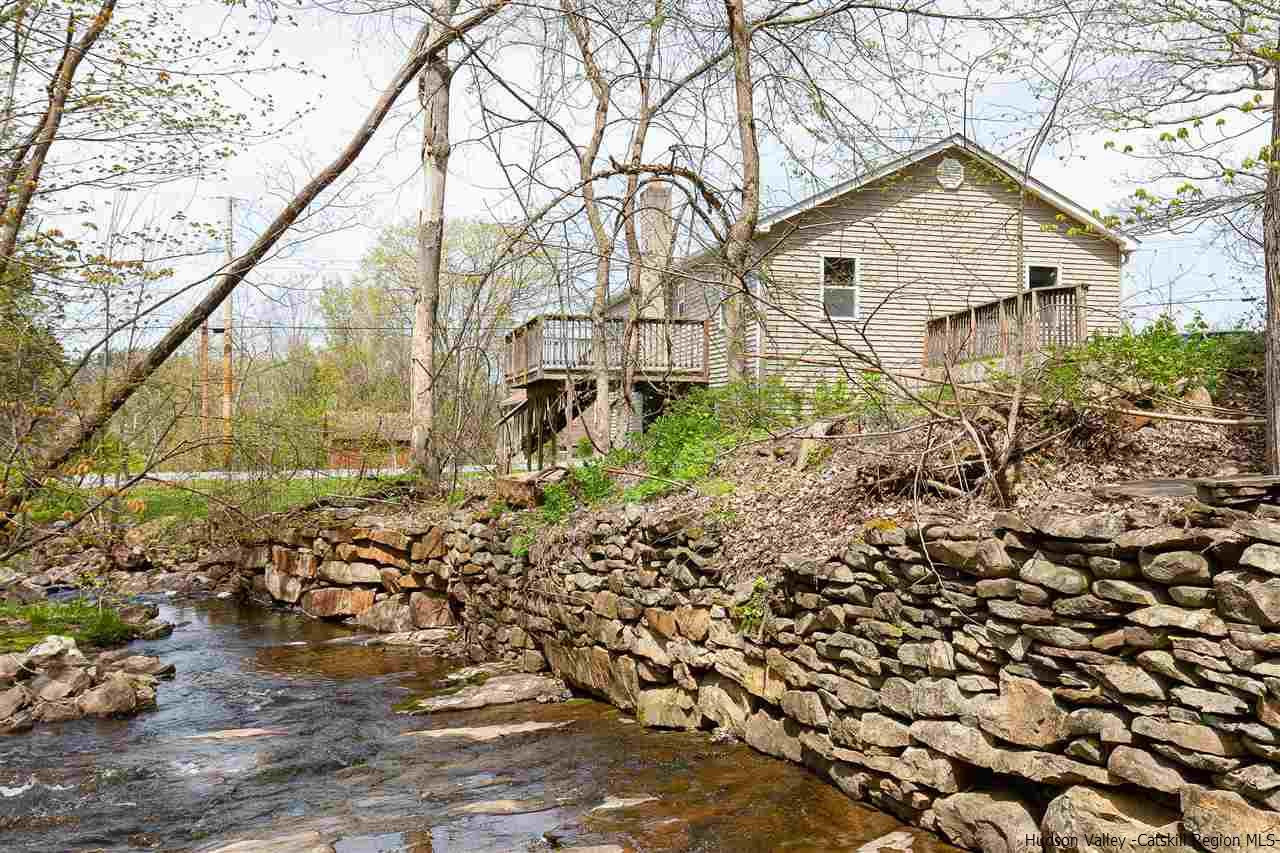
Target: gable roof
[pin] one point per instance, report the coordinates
(1037, 188)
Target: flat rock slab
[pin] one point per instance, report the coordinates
(1155, 488)
(498, 690)
(505, 807)
(488, 733)
(614, 803)
(236, 734)
(300, 842)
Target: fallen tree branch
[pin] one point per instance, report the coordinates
(623, 472)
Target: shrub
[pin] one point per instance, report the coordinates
(1158, 357)
(557, 503)
(683, 442)
(584, 448)
(592, 484)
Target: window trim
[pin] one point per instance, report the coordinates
(856, 287)
(1056, 265)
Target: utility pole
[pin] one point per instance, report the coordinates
(228, 379)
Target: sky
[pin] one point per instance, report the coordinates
(358, 55)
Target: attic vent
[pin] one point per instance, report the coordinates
(951, 173)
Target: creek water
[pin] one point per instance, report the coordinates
(339, 766)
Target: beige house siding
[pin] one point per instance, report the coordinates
(923, 250)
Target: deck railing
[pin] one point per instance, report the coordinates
(1050, 317)
(552, 346)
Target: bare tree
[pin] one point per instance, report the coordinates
(433, 93)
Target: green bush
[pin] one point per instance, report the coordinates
(831, 399)
(584, 448)
(592, 484)
(557, 503)
(1158, 357)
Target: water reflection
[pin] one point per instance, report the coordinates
(331, 762)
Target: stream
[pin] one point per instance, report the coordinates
(338, 769)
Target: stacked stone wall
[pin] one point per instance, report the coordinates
(1047, 676)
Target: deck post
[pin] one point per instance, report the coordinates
(1004, 328)
(540, 427)
(1082, 313)
(1035, 320)
(973, 332)
(706, 350)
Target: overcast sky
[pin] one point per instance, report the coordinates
(358, 55)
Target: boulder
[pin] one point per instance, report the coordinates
(595, 669)
(1129, 592)
(1145, 770)
(1263, 557)
(885, 732)
(757, 681)
(345, 573)
(497, 690)
(990, 822)
(1026, 714)
(10, 667)
(1209, 813)
(1127, 679)
(1188, 736)
(668, 708)
(53, 650)
(1210, 701)
(1063, 579)
(13, 700)
(1248, 597)
(389, 616)
(144, 665)
(430, 611)
(1172, 616)
(779, 737)
(1087, 820)
(724, 703)
(1181, 567)
(155, 630)
(805, 707)
(972, 746)
(281, 586)
(332, 601)
(115, 696)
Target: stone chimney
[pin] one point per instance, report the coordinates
(656, 234)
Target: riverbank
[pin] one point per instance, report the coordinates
(1055, 668)
(278, 726)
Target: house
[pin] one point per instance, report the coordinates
(366, 439)
(910, 267)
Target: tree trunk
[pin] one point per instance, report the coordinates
(580, 26)
(1271, 252)
(434, 95)
(738, 244)
(23, 174)
(73, 441)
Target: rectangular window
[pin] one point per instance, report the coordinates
(1041, 276)
(840, 288)
(681, 306)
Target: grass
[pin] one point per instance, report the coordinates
(24, 625)
(191, 499)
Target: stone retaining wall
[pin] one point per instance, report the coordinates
(1052, 677)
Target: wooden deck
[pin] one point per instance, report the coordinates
(556, 347)
(1051, 317)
